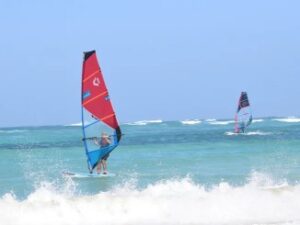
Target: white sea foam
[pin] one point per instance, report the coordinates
(260, 201)
(291, 119)
(221, 122)
(257, 120)
(257, 133)
(12, 131)
(210, 120)
(79, 124)
(144, 122)
(250, 133)
(230, 133)
(226, 122)
(190, 122)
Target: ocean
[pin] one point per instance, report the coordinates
(166, 172)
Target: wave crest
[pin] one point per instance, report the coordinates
(250, 133)
(14, 131)
(257, 120)
(191, 122)
(221, 122)
(144, 122)
(167, 202)
(288, 120)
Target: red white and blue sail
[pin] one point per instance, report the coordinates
(243, 116)
(97, 112)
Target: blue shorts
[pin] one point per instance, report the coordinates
(105, 157)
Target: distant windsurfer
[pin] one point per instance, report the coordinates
(243, 116)
(104, 142)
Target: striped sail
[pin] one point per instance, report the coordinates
(98, 115)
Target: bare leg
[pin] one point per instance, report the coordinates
(104, 166)
(99, 167)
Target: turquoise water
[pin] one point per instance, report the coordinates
(161, 163)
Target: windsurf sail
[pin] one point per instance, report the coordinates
(243, 116)
(98, 116)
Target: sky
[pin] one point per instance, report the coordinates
(168, 60)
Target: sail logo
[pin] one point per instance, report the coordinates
(96, 81)
(86, 94)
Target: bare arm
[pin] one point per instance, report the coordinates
(96, 142)
(108, 140)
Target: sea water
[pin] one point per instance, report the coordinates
(166, 172)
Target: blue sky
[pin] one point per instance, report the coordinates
(161, 59)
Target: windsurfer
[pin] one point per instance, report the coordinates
(243, 117)
(104, 142)
(96, 105)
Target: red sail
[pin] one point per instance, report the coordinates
(95, 97)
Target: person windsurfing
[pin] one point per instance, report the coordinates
(243, 116)
(103, 142)
(97, 111)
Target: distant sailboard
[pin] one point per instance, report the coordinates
(243, 116)
(97, 112)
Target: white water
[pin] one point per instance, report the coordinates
(250, 133)
(257, 120)
(79, 124)
(288, 120)
(260, 201)
(12, 131)
(191, 122)
(144, 122)
(210, 120)
(221, 122)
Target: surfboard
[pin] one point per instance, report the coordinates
(88, 175)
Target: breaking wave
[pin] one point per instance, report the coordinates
(257, 120)
(210, 120)
(250, 133)
(259, 201)
(12, 131)
(190, 122)
(288, 120)
(221, 122)
(144, 122)
(79, 124)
